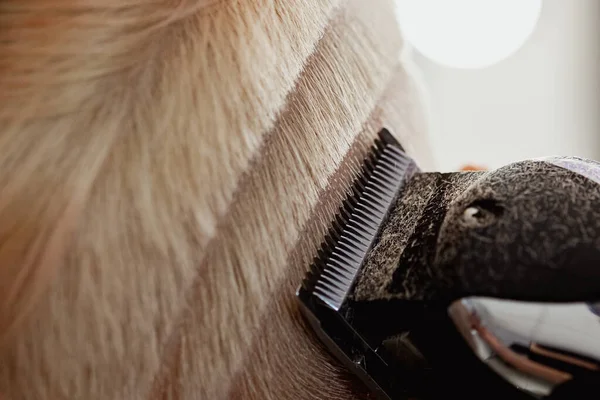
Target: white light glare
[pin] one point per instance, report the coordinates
(467, 33)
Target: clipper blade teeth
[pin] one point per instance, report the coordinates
(355, 228)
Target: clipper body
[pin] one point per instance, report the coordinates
(400, 289)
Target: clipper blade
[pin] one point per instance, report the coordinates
(324, 292)
(357, 223)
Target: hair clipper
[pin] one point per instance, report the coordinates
(482, 284)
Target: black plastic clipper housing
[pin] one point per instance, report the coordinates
(324, 292)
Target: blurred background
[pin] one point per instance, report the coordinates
(541, 100)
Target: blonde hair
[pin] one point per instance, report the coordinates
(64, 71)
(162, 167)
